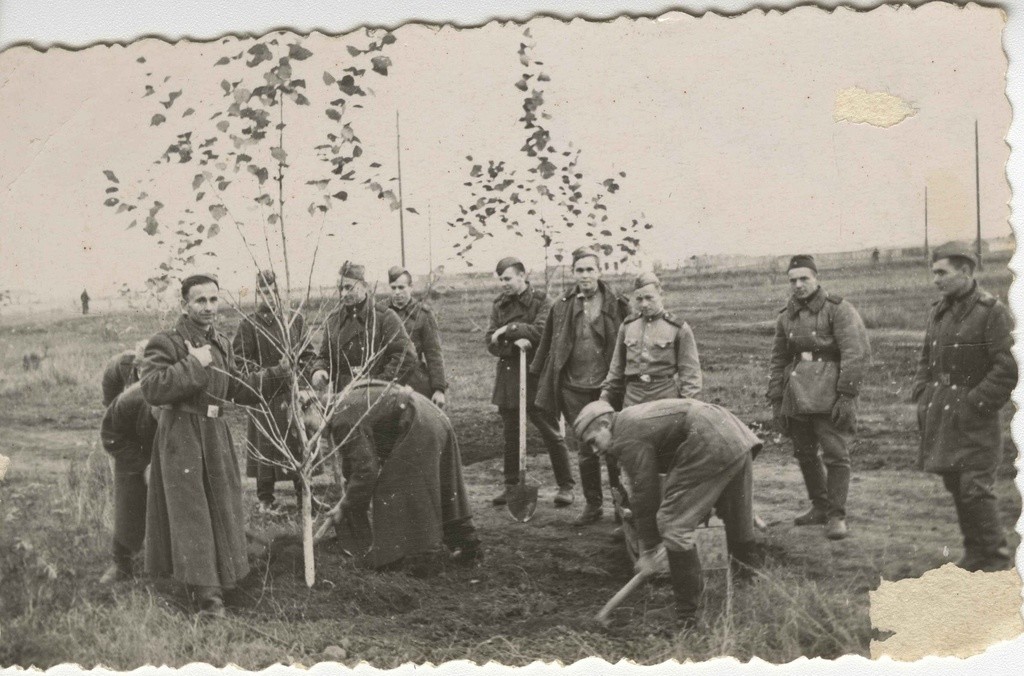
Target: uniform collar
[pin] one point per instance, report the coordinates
(522, 296)
(964, 299)
(406, 309)
(357, 310)
(193, 330)
(813, 304)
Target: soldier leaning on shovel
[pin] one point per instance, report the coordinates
(705, 453)
(818, 360)
(572, 361)
(964, 378)
(517, 321)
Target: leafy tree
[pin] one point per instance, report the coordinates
(241, 154)
(547, 195)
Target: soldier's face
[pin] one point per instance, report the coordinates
(512, 281)
(201, 304)
(401, 291)
(598, 436)
(353, 291)
(266, 293)
(648, 301)
(803, 282)
(949, 279)
(586, 272)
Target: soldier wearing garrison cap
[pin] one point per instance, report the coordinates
(819, 357)
(517, 322)
(572, 361)
(964, 379)
(655, 352)
(361, 339)
(258, 344)
(428, 377)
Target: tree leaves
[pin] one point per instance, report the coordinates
(218, 211)
(298, 52)
(381, 64)
(340, 195)
(279, 155)
(260, 53)
(110, 176)
(157, 120)
(170, 100)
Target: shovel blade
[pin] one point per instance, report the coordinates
(522, 502)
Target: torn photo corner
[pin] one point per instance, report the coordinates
(781, 230)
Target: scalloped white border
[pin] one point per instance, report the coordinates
(74, 24)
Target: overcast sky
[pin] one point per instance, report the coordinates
(721, 155)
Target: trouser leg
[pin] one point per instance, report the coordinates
(265, 478)
(130, 495)
(546, 424)
(984, 539)
(572, 402)
(510, 434)
(835, 450)
(736, 510)
(805, 449)
(687, 583)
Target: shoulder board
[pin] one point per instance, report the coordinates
(987, 299)
(672, 319)
(631, 318)
(834, 299)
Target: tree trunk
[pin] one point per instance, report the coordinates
(307, 529)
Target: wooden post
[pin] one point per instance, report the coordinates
(977, 194)
(401, 203)
(927, 250)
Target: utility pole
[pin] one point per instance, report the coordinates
(927, 251)
(401, 203)
(977, 195)
(430, 243)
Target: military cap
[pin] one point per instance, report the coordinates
(396, 271)
(266, 278)
(955, 252)
(645, 278)
(589, 414)
(352, 270)
(802, 261)
(507, 262)
(584, 252)
(195, 280)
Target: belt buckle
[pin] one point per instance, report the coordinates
(944, 378)
(645, 377)
(806, 356)
(212, 411)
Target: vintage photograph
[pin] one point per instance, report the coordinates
(654, 338)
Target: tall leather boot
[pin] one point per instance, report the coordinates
(990, 551)
(745, 558)
(817, 491)
(590, 478)
(687, 585)
(122, 568)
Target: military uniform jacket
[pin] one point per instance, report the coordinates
(683, 434)
(557, 339)
(421, 325)
(525, 314)
(826, 329)
(118, 375)
(964, 377)
(128, 429)
(353, 335)
(660, 347)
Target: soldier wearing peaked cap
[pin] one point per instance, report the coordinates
(964, 378)
(819, 356)
(428, 377)
(517, 321)
(361, 339)
(572, 361)
(655, 352)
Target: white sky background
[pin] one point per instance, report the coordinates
(51, 263)
(720, 156)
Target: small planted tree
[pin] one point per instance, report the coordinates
(544, 196)
(240, 156)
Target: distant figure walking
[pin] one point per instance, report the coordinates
(85, 302)
(875, 256)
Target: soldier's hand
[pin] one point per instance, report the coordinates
(523, 344)
(203, 353)
(498, 334)
(844, 413)
(320, 379)
(780, 421)
(438, 399)
(652, 561)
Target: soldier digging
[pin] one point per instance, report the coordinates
(965, 376)
(818, 360)
(517, 321)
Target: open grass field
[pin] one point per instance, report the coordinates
(541, 582)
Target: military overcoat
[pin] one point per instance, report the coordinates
(525, 314)
(421, 325)
(355, 334)
(119, 373)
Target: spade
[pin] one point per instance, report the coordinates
(522, 498)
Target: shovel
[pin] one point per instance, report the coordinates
(522, 499)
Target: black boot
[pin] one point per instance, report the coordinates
(986, 548)
(687, 585)
(838, 483)
(123, 567)
(745, 558)
(814, 479)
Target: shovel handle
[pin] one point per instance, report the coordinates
(522, 415)
(620, 596)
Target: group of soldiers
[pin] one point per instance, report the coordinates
(624, 372)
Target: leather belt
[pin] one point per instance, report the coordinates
(958, 379)
(208, 411)
(815, 356)
(646, 378)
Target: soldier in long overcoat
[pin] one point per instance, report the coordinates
(257, 345)
(819, 357)
(404, 463)
(428, 377)
(964, 378)
(655, 352)
(705, 454)
(361, 338)
(195, 526)
(517, 321)
(572, 361)
(127, 432)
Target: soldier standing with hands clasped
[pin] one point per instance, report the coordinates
(517, 320)
(818, 360)
(964, 378)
